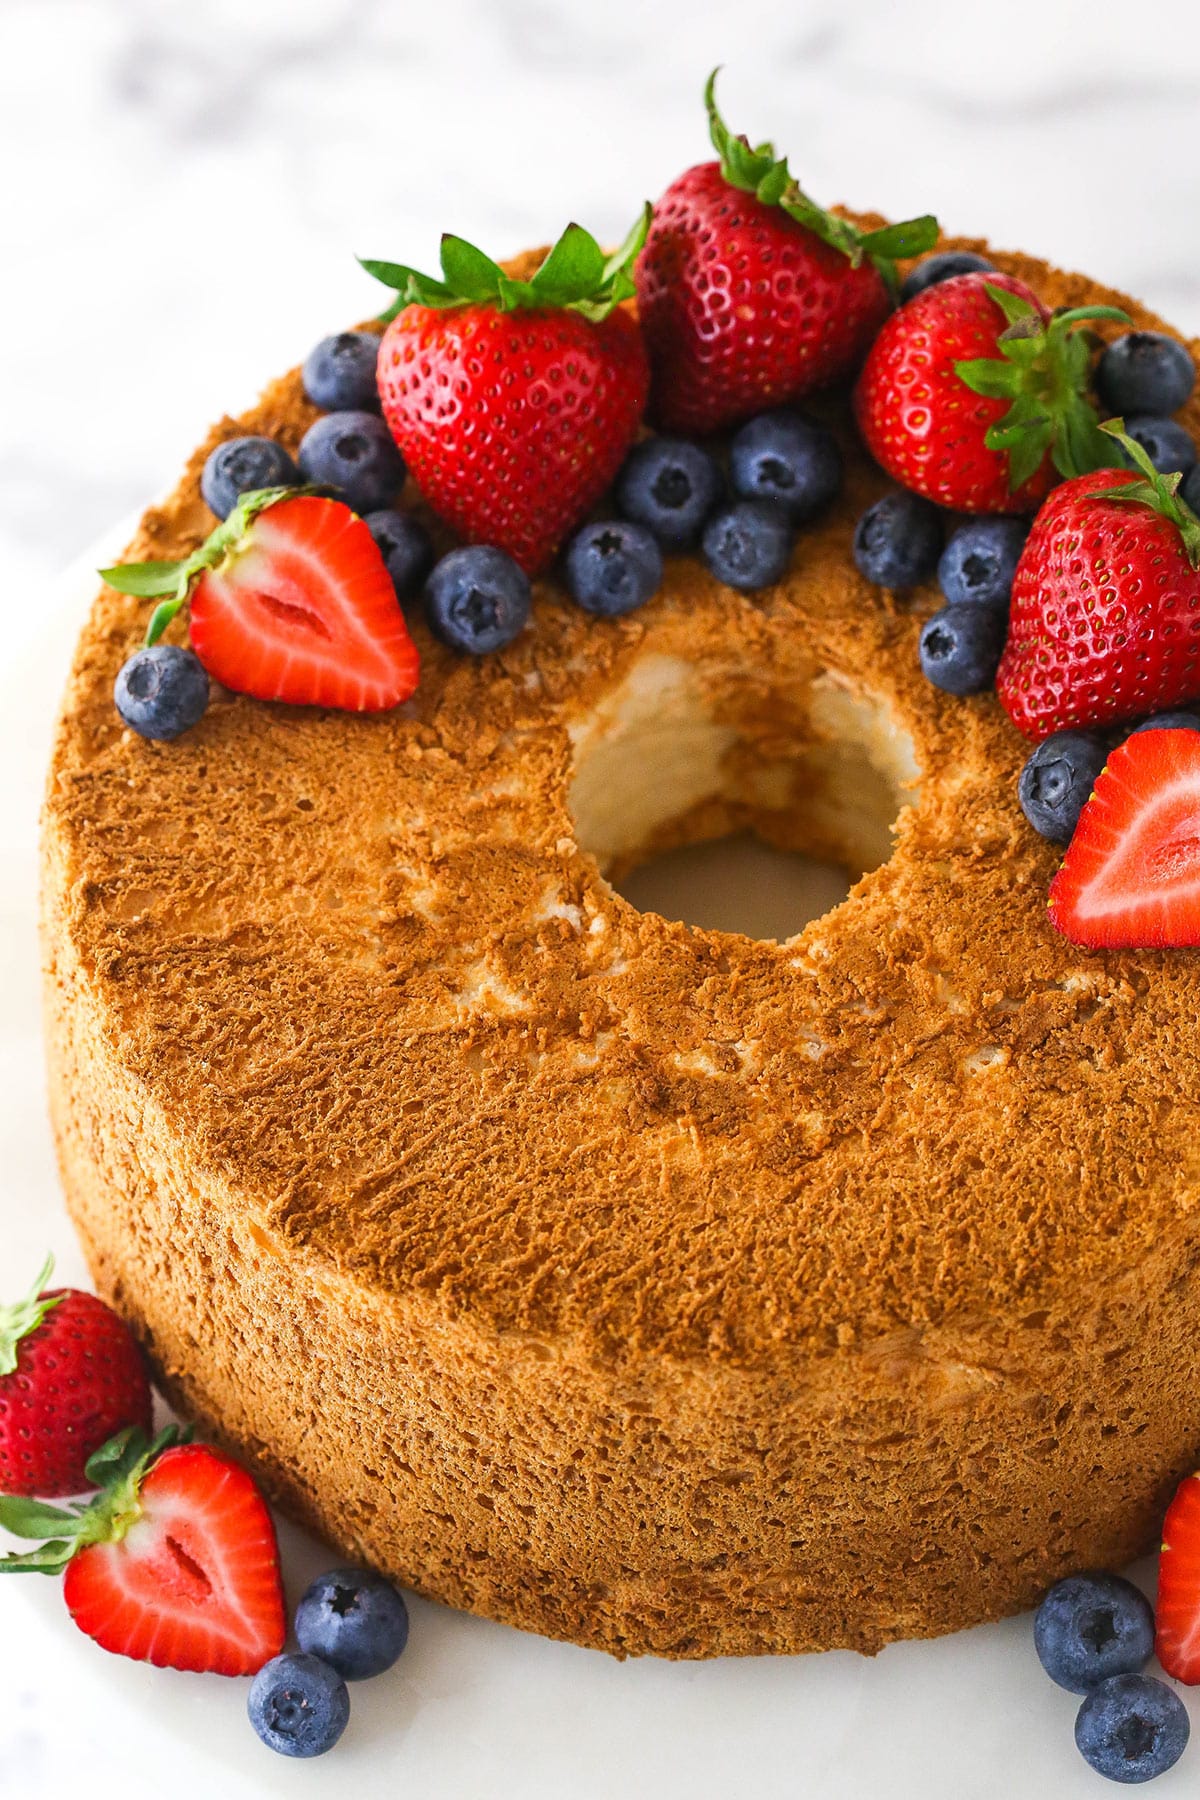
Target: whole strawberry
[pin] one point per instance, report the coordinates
(514, 402)
(70, 1376)
(1105, 618)
(749, 293)
(976, 397)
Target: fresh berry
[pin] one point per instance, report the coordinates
(70, 1376)
(1189, 489)
(784, 457)
(669, 485)
(1169, 721)
(942, 267)
(477, 599)
(749, 294)
(353, 1620)
(897, 542)
(405, 547)
(1057, 781)
(1145, 372)
(1131, 877)
(1167, 444)
(161, 692)
(340, 373)
(975, 396)
(173, 1563)
(290, 600)
(1178, 1609)
(1090, 1627)
(960, 648)
(514, 402)
(980, 560)
(298, 1705)
(1132, 1728)
(748, 545)
(353, 453)
(613, 567)
(241, 465)
(1105, 618)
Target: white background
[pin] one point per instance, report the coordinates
(182, 190)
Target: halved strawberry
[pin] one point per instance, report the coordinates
(1131, 877)
(174, 1563)
(1177, 1611)
(290, 600)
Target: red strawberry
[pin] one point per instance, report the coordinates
(976, 397)
(174, 1563)
(749, 293)
(1177, 1613)
(70, 1376)
(514, 402)
(1105, 617)
(1131, 877)
(290, 600)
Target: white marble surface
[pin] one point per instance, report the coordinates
(185, 184)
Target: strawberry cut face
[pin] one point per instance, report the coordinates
(1177, 1613)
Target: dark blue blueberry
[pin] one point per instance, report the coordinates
(613, 567)
(1167, 444)
(353, 453)
(1169, 721)
(1056, 784)
(1189, 488)
(1145, 372)
(978, 564)
(942, 267)
(961, 648)
(298, 1705)
(240, 465)
(897, 541)
(477, 599)
(162, 691)
(1132, 1728)
(340, 373)
(783, 456)
(405, 547)
(748, 545)
(670, 486)
(354, 1621)
(1092, 1626)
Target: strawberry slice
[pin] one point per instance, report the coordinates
(174, 1563)
(290, 600)
(1177, 1613)
(1131, 877)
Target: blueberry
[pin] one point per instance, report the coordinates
(1092, 1626)
(404, 546)
(354, 1621)
(1055, 786)
(162, 691)
(783, 456)
(340, 373)
(298, 1705)
(353, 453)
(1167, 444)
(1132, 1728)
(477, 599)
(1168, 721)
(897, 541)
(978, 564)
(748, 545)
(1145, 372)
(670, 486)
(961, 647)
(613, 567)
(1189, 488)
(942, 267)
(240, 465)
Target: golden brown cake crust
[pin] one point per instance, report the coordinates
(635, 1283)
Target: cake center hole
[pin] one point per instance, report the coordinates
(738, 883)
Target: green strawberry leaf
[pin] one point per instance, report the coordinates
(49, 1559)
(912, 237)
(146, 580)
(32, 1518)
(23, 1316)
(467, 270)
(573, 271)
(1155, 490)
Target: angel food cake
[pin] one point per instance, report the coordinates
(658, 1288)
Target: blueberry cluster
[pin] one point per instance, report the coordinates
(350, 1625)
(1094, 1634)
